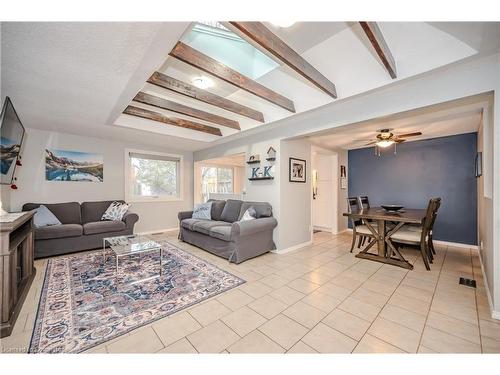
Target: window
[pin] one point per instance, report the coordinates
(216, 180)
(152, 176)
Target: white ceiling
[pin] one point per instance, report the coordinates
(79, 77)
(447, 119)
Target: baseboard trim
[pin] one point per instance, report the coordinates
(292, 248)
(494, 314)
(158, 231)
(444, 243)
(322, 229)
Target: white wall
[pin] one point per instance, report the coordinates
(4, 189)
(485, 201)
(33, 187)
(295, 221)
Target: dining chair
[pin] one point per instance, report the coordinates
(420, 238)
(418, 228)
(364, 202)
(359, 230)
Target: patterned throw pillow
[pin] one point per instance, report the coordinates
(249, 214)
(203, 211)
(115, 211)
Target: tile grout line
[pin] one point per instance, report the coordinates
(477, 310)
(432, 300)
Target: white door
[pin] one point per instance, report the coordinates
(324, 217)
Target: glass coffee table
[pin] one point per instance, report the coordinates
(123, 246)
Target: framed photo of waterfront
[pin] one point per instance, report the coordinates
(62, 165)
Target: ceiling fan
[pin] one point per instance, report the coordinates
(386, 138)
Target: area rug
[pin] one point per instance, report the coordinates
(85, 302)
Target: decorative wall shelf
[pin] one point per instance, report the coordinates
(270, 159)
(253, 162)
(260, 178)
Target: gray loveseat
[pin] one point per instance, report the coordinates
(81, 229)
(228, 237)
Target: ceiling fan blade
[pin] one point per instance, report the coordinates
(409, 135)
(399, 140)
(371, 143)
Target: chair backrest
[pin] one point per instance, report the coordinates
(430, 217)
(353, 205)
(364, 202)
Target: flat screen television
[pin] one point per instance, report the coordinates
(11, 138)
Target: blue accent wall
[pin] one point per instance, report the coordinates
(439, 167)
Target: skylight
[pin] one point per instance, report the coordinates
(221, 44)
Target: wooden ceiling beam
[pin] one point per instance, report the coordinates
(169, 105)
(195, 58)
(257, 33)
(155, 116)
(186, 89)
(380, 46)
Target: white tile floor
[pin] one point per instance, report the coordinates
(317, 299)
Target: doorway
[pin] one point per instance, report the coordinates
(325, 192)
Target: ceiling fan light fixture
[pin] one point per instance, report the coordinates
(385, 143)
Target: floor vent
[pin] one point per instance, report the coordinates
(157, 233)
(467, 282)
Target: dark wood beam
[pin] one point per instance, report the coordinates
(186, 89)
(155, 116)
(169, 105)
(203, 62)
(377, 40)
(259, 34)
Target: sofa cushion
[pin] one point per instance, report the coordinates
(263, 209)
(217, 207)
(231, 211)
(222, 232)
(93, 211)
(44, 217)
(103, 227)
(188, 223)
(58, 231)
(67, 213)
(203, 226)
(202, 211)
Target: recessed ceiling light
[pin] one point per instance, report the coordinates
(203, 82)
(283, 23)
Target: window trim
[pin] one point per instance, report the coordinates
(134, 198)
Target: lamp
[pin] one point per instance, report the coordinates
(385, 143)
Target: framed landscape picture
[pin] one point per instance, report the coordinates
(297, 170)
(61, 165)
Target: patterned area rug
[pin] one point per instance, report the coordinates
(84, 301)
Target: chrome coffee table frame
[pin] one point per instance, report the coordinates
(123, 246)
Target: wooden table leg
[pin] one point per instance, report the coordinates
(381, 246)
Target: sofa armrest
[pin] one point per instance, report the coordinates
(185, 215)
(130, 219)
(245, 228)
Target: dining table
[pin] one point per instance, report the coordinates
(383, 224)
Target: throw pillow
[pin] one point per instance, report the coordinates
(115, 211)
(203, 211)
(44, 217)
(249, 214)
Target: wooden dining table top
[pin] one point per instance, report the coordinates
(407, 215)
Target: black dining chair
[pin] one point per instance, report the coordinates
(420, 237)
(359, 230)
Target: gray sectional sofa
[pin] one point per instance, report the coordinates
(81, 229)
(228, 237)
